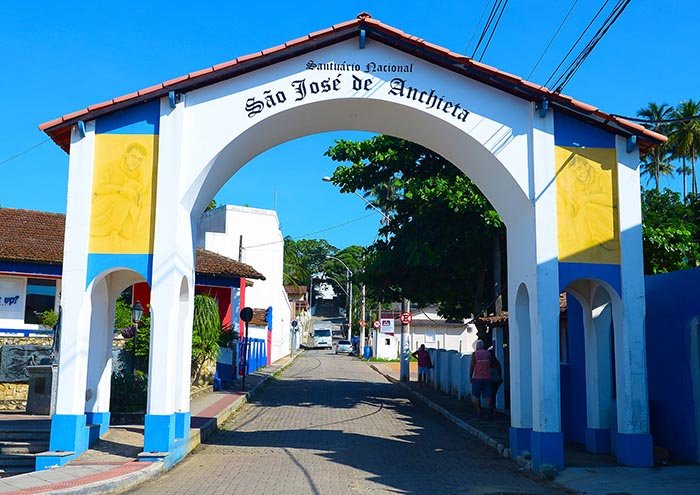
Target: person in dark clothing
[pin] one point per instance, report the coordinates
(496, 379)
(424, 364)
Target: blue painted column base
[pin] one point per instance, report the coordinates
(101, 419)
(547, 449)
(598, 440)
(519, 441)
(69, 439)
(158, 432)
(182, 425)
(634, 449)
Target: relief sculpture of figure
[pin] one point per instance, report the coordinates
(118, 196)
(588, 201)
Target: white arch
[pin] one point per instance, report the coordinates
(471, 156)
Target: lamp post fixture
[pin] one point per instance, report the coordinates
(405, 304)
(348, 292)
(136, 314)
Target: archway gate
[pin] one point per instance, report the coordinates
(563, 175)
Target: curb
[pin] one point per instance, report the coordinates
(131, 480)
(494, 443)
(113, 485)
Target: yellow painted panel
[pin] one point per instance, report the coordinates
(587, 205)
(123, 194)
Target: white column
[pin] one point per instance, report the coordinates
(633, 442)
(598, 359)
(100, 353)
(75, 303)
(171, 292)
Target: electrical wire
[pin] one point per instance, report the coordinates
(24, 152)
(476, 28)
(663, 121)
(495, 26)
(578, 62)
(487, 26)
(546, 49)
(313, 233)
(583, 33)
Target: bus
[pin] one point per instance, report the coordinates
(323, 338)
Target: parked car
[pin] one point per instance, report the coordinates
(343, 346)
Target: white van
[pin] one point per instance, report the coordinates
(322, 338)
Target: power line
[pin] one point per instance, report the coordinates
(583, 33)
(561, 24)
(476, 28)
(493, 30)
(496, 12)
(578, 62)
(313, 233)
(24, 152)
(662, 121)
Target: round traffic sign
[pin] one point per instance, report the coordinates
(246, 314)
(377, 324)
(363, 323)
(406, 318)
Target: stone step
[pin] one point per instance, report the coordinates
(17, 460)
(14, 471)
(24, 435)
(23, 447)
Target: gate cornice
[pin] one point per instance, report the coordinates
(59, 129)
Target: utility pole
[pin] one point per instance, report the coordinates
(405, 372)
(362, 327)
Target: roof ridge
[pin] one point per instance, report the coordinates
(58, 129)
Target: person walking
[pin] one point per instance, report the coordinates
(424, 364)
(496, 379)
(480, 376)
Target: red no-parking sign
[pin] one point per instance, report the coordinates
(406, 318)
(376, 325)
(362, 323)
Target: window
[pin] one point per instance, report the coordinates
(430, 336)
(41, 296)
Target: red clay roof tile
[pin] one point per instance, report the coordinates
(55, 127)
(32, 236)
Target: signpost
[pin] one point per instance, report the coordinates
(376, 325)
(246, 315)
(406, 319)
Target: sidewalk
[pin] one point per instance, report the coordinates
(111, 465)
(584, 472)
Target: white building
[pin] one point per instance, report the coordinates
(434, 331)
(253, 236)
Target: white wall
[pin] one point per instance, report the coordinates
(12, 314)
(263, 249)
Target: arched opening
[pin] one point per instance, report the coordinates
(104, 291)
(520, 335)
(588, 378)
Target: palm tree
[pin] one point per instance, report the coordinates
(685, 137)
(655, 163)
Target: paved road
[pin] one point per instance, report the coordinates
(331, 425)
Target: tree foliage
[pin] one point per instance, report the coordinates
(436, 245)
(671, 231)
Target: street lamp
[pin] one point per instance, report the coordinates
(405, 303)
(136, 314)
(348, 292)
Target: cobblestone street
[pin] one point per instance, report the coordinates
(330, 424)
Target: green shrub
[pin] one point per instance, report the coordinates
(129, 392)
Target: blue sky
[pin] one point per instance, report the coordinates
(61, 57)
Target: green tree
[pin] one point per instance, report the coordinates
(657, 162)
(670, 231)
(685, 139)
(206, 331)
(437, 246)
